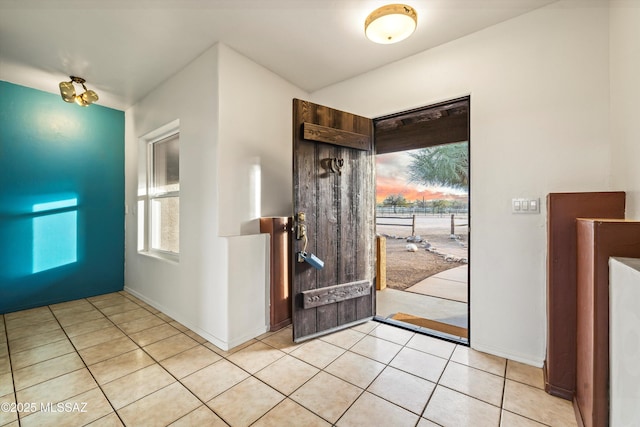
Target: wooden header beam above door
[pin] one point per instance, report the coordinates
(425, 127)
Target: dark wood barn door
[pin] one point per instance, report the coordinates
(334, 217)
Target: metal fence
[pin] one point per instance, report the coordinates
(412, 222)
(410, 219)
(385, 211)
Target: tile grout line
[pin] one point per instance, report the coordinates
(75, 351)
(386, 366)
(137, 345)
(437, 383)
(157, 362)
(263, 339)
(253, 376)
(522, 415)
(84, 363)
(421, 415)
(20, 417)
(178, 380)
(13, 381)
(288, 396)
(449, 360)
(87, 366)
(504, 389)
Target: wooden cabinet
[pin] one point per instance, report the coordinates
(597, 240)
(280, 269)
(562, 211)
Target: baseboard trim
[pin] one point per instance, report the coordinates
(223, 345)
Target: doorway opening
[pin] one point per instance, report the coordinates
(422, 219)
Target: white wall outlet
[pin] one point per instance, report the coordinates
(525, 206)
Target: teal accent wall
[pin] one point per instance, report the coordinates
(61, 199)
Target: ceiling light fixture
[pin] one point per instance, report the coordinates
(391, 23)
(68, 92)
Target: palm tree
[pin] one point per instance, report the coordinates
(443, 165)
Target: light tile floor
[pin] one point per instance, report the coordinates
(113, 360)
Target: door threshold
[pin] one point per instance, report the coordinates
(422, 330)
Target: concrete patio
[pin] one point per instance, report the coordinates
(442, 297)
(450, 284)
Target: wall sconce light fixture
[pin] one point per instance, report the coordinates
(68, 92)
(391, 23)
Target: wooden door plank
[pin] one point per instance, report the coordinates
(327, 227)
(303, 275)
(365, 205)
(327, 235)
(348, 241)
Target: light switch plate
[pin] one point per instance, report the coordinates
(525, 206)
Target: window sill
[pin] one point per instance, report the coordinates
(164, 256)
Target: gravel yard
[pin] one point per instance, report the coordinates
(405, 268)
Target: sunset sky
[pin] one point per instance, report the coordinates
(392, 178)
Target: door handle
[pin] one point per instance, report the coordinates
(301, 231)
(301, 228)
(301, 234)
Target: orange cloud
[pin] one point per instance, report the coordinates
(391, 178)
(386, 187)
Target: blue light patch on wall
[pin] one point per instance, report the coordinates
(55, 234)
(61, 199)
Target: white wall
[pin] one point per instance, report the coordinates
(219, 286)
(255, 151)
(193, 291)
(255, 178)
(625, 95)
(539, 124)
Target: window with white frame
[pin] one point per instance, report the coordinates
(159, 197)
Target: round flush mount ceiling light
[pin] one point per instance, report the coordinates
(391, 23)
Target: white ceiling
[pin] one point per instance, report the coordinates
(125, 48)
